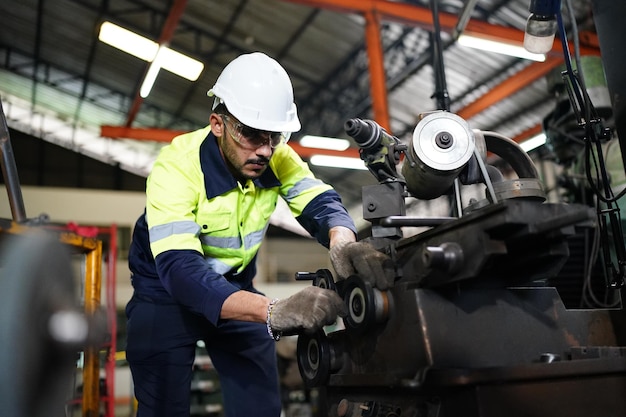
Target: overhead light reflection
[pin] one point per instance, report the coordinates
(533, 143)
(322, 142)
(499, 47)
(338, 162)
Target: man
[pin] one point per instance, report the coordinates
(209, 198)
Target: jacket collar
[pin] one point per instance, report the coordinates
(217, 178)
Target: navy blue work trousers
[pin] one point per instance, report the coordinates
(161, 345)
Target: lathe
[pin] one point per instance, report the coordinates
(473, 326)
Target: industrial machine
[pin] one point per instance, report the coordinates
(475, 324)
(472, 326)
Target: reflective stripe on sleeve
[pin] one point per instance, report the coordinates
(218, 266)
(301, 186)
(175, 228)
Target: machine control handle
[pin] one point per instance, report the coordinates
(305, 276)
(447, 257)
(322, 278)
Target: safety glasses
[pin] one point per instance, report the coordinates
(251, 138)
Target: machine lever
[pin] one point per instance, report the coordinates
(305, 276)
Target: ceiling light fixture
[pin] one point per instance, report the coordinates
(337, 162)
(180, 64)
(499, 47)
(150, 78)
(160, 56)
(533, 142)
(321, 142)
(541, 26)
(127, 41)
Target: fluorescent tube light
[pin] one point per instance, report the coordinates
(534, 142)
(150, 51)
(180, 64)
(128, 41)
(150, 78)
(499, 47)
(321, 142)
(338, 162)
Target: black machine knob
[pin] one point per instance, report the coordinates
(446, 257)
(322, 278)
(366, 304)
(318, 356)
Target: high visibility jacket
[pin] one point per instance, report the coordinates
(197, 241)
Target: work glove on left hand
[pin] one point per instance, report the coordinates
(349, 258)
(309, 309)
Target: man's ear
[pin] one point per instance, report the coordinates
(217, 124)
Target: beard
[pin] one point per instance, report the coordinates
(246, 169)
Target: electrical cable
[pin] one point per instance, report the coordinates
(607, 218)
(588, 291)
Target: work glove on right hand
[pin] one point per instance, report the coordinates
(309, 309)
(373, 266)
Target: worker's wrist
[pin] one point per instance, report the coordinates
(268, 321)
(341, 235)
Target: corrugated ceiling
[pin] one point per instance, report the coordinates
(58, 82)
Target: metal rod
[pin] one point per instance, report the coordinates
(9, 172)
(464, 17)
(486, 177)
(441, 93)
(91, 367)
(391, 221)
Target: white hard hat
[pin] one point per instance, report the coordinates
(258, 92)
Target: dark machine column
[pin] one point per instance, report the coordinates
(609, 19)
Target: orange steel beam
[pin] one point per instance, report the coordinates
(509, 87)
(378, 88)
(167, 32)
(422, 17)
(528, 133)
(166, 136)
(153, 134)
(388, 10)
